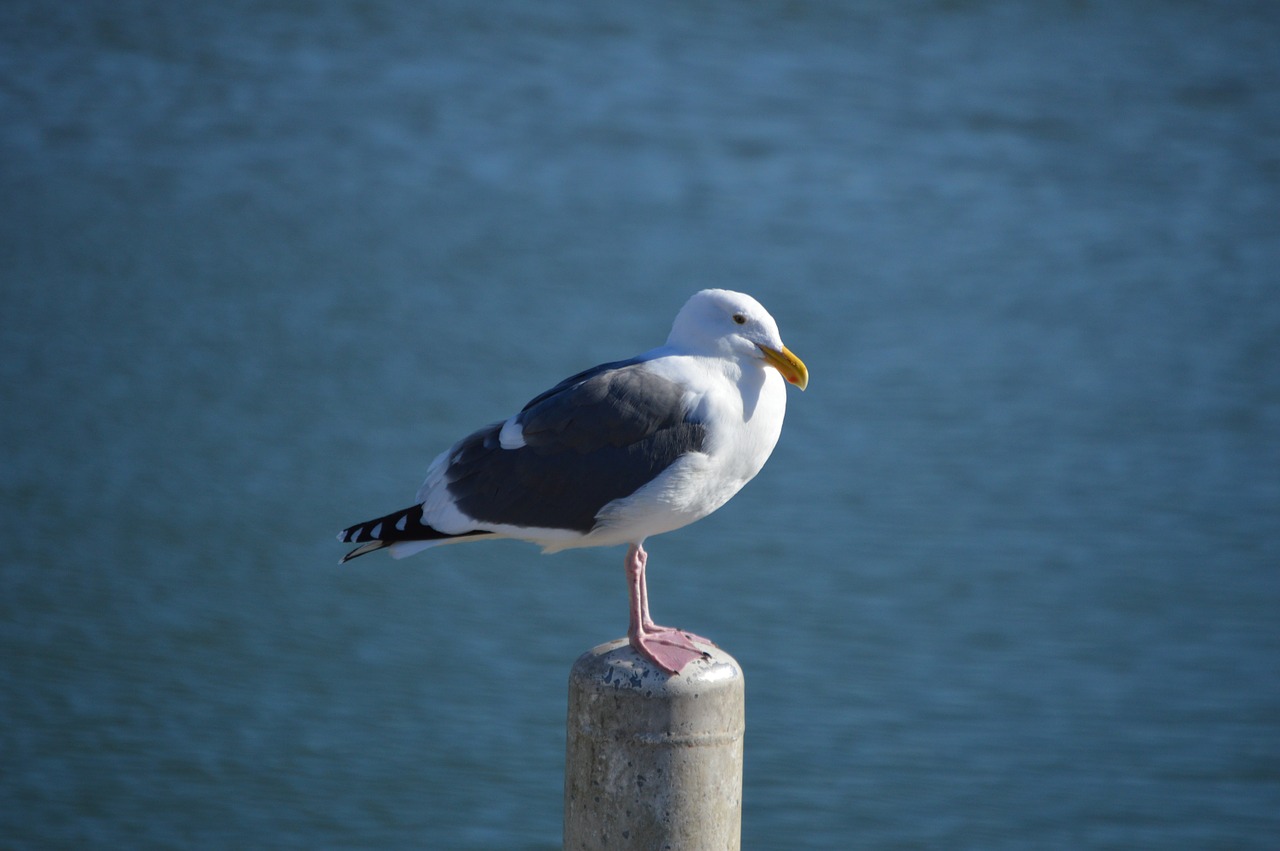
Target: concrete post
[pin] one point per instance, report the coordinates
(653, 762)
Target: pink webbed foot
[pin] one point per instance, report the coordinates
(668, 648)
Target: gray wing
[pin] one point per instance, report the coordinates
(598, 436)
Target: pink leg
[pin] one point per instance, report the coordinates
(668, 648)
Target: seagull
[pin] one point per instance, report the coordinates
(616, 454)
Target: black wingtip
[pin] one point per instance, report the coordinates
(397, 527)
(364, 549)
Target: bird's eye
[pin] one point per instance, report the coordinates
(740, 319)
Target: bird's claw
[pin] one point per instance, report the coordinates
(669, 648)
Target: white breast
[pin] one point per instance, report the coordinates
(743, 419)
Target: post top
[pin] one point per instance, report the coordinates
(614, 666)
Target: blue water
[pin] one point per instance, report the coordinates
(1010, 580)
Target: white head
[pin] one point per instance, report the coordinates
(725, 323)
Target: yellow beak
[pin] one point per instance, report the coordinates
(791, 367)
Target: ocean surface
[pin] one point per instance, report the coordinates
(1010, 580)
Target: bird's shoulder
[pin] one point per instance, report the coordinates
(575, 381)
(616, 402)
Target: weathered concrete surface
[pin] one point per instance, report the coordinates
(652, 761)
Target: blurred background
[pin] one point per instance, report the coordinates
(1010, 580)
